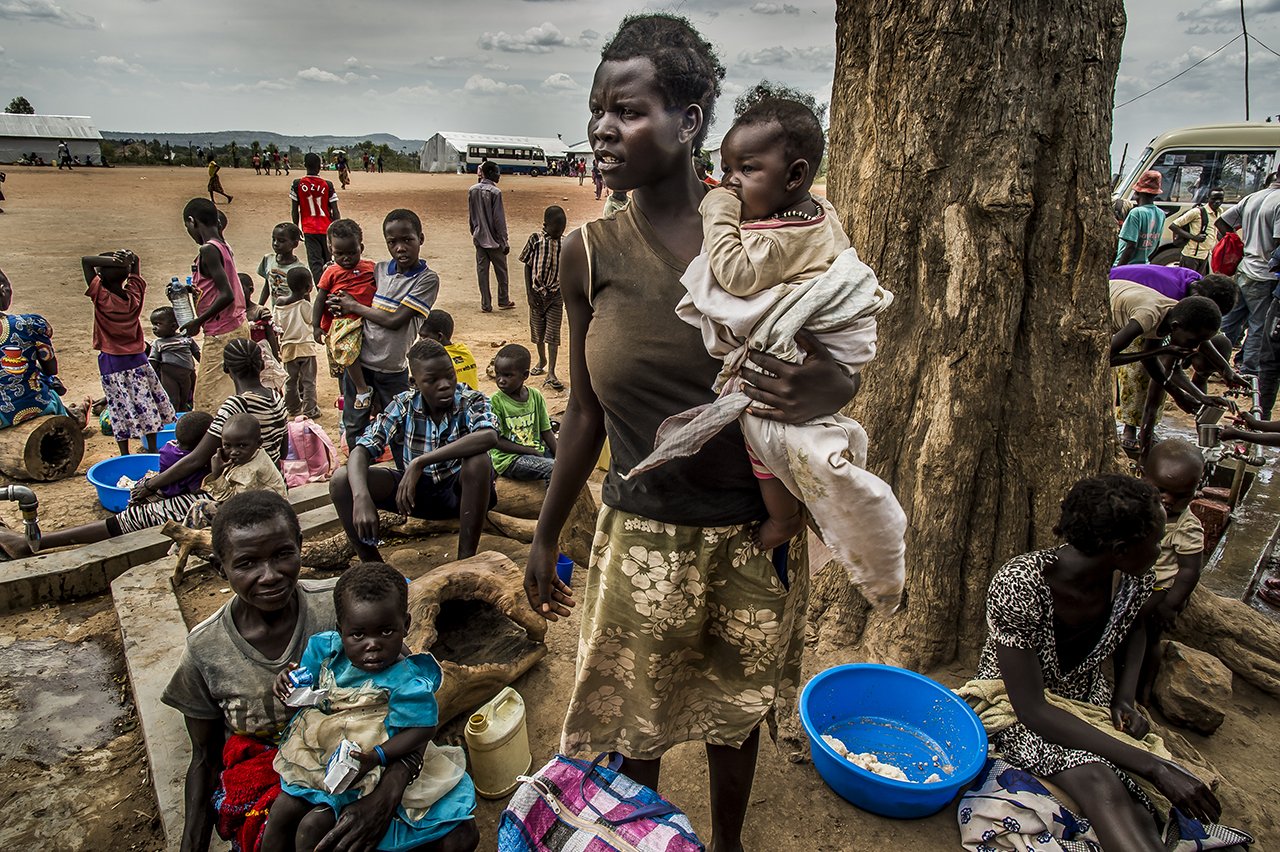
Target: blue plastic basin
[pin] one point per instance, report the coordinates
(168, 432)
(905, 719)
(105, 474)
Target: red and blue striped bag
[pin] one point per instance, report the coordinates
(575, 806)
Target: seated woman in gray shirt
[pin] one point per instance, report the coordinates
(223, 686)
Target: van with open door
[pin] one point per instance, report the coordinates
(1194, 160)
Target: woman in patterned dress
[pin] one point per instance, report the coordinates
(29, 384)
(1053, 619)
(690, 632)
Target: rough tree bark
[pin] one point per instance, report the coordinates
(969, 163)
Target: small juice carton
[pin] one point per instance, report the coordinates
(342, 768)
(303, 693)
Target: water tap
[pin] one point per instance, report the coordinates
(28, 504)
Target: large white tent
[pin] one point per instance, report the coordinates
(23, 135)
(447, 150)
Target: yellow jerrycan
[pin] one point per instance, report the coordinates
(498, 742)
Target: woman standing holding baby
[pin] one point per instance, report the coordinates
(684, 612)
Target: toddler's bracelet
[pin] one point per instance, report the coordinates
(382, 756)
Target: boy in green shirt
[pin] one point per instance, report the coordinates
(526, 445)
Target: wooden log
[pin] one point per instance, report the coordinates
(43, 449)
(1245, 640)
(493, 579)
(520, 529)
(520, 499)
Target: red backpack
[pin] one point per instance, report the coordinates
(1227, 254)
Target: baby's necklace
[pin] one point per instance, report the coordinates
(800, 214)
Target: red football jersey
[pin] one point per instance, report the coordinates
(314, 194)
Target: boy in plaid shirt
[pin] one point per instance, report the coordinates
(541, 259)
(444, 431)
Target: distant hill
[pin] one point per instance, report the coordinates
(245, 138)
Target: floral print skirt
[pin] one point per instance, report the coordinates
(688, 634)
(137, 402)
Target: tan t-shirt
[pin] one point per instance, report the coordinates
(1182, 536)
(1133, 301)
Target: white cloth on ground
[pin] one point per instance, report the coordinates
(822, 461)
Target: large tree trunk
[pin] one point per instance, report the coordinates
(969, 162)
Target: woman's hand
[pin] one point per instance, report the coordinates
(361, 825)
(141, 492)
(1186, 792)
(1126, 718)
(548, 595)
(797, 393)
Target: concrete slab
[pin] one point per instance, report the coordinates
(89, 570)
(154, 635)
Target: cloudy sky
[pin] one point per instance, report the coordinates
(413, 67)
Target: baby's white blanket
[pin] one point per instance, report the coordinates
(821, 462)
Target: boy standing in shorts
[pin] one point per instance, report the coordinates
(315, 208)
(541, 259)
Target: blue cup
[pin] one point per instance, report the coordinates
(564, 569)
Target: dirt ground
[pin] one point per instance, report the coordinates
(72, 766)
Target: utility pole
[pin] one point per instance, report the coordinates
(1245, 29)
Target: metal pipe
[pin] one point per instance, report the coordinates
(1237, 480)
(29, 505)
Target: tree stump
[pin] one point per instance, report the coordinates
(43, 449)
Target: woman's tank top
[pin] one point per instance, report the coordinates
(231, 317)
(647, 364)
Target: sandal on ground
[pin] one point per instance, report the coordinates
(554, 384)
(486, 309)
(537, 371)
(363, 400)
(506, 306)
(1129, 445)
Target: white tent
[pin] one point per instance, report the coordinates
(447, 150)
(21, 135)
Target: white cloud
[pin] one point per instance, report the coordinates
(423, 92)
(561, 82)
(817, 58)
(775, 9)
(478, 84)
(540, 39)
(47, 12)
(115, 63)
(317, 75)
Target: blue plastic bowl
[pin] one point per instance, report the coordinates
(168, 432)
(905, 719)
(105, 474)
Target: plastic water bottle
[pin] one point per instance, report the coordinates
(182, 299)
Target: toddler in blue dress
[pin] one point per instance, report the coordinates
(371, 691)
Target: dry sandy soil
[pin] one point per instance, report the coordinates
(72, 768)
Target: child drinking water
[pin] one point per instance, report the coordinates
(526, 445)
(776, 266)
(136, 400)
(297, 350)
(274, 267)
(381, 698)
(343, 334)
(173, 356)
